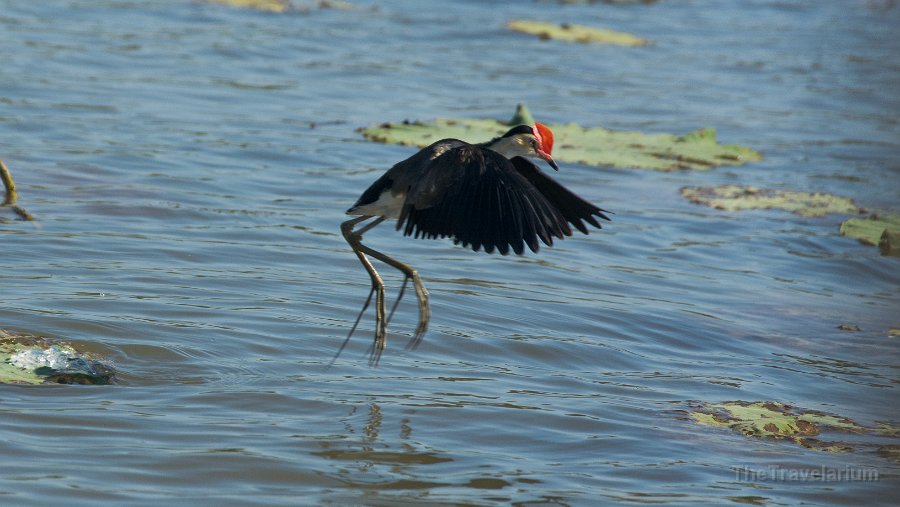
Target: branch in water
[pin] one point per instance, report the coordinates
(11, 195)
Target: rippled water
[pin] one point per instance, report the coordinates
(189, 165)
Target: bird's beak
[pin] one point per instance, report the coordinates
(546, 156)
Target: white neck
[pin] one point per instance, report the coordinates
(513, 146)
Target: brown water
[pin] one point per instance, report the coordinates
(189, 165)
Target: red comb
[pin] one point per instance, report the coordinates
(544, 137)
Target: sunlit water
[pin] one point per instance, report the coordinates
(189, 165)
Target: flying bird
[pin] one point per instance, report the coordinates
(484, 196)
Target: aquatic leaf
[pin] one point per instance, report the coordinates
(870, 229)
(522, 116)
(595, 146)
(834, 447)
(262, 5)
(10, 374)
(881, 229)
(750, 499)
(10, 345)
(889, 244)
(890, 451)
(708, 419)
(888, 429)
(576, 33)
(607, 1)
(768, 419)
(282, 6)
(28, 359)
(342, 5)
(735, 198)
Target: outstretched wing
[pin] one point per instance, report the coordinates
(480, 199)
(398, 178)
(573, 208)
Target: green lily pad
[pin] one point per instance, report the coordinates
(891, 452)
(261, 5)
(736, 198)
(750, 499)
(344, 6)
(607, 1)
(576, 33)
(28, 359)
(282, 6)
(888, 429)
(767, 419)
(878, 229)
(594, 146)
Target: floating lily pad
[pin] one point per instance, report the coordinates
(889, 244)
(607, 1)
(261, 5)
(767, 419)
(891, 452)
(576, 33)
(878, 229)
(750, 499)
(28, 359)
(281, 6)
(736, 198)
(595, 146)
(887, 429)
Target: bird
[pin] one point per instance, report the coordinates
(488, 196)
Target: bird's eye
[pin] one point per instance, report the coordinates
(534, 144)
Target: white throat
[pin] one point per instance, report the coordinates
(513, 146)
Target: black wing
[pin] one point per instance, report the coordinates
(480, 199)
(574, 208)
(398, 177)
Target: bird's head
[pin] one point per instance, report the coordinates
(535, 141)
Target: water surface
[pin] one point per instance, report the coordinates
(189, 165)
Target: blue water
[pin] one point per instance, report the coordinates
(189, 165)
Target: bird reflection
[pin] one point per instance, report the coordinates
(374, 448)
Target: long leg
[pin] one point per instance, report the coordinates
(399, 297)
(353, 239)
(352, 329)
(421, 293)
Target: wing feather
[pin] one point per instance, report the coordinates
(573, 208)
(481, 200)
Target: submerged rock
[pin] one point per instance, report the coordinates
(27, 359)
